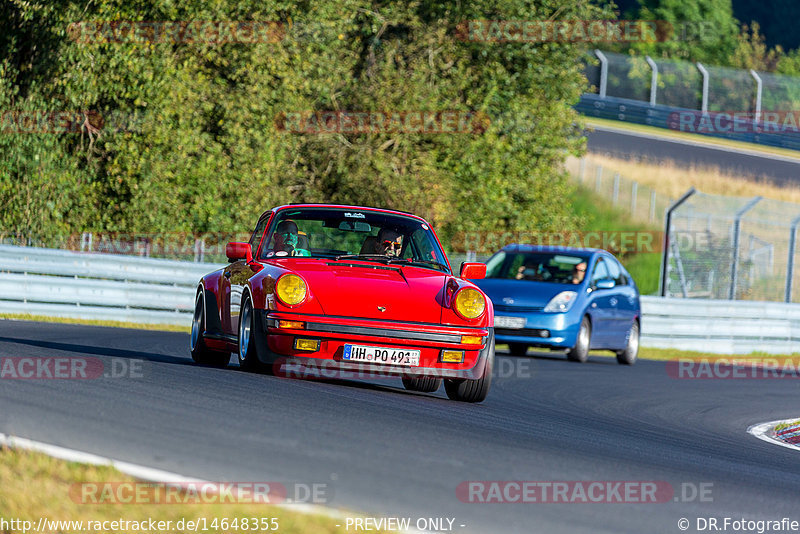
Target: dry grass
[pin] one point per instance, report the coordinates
(35, 485)
(669, 179)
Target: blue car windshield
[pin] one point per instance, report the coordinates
(559, 268)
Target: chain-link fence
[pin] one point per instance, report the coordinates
(641, 202)
(724, 247)
(693, 86)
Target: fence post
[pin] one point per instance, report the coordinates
(737, 222)
(662, 279)
(634, 191)
(603, 72)
(704, 102)
(653, 79)
(790, 263)
(652, 205)
(759, 88)
(615, 193)
(598, 178)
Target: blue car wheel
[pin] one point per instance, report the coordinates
(580, 352)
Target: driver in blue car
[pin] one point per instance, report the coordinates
(287, 240)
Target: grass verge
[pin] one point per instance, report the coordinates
(93, 322)
(36, 485)
(601, 216)
(669, 179)
(691, 137)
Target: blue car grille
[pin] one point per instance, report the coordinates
(519, 309)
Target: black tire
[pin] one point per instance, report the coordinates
(473, 390)
(197, 345)
(580, 352)
(517, 349)
(631, 352)
(424, 384)
(246, 343)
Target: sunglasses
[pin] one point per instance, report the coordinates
(391, 244)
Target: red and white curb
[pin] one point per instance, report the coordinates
(766, 432)
(150, 474)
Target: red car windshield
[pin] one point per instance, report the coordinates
(358, 234)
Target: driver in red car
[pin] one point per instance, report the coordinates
(390, 243)
(287, 240)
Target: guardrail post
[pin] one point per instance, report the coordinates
(790, 263)
(634, 191)
(582, 169)
(662, 279)
(737, 222)
(704, 101)
(653, 79)
(603, 72)
(615, 192)
(759, 89)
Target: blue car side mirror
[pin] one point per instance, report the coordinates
(606, 283)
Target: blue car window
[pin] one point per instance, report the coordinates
(614, 270)
(600, 271)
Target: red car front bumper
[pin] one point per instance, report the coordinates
(278, 345)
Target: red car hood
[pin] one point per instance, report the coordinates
(375, 291)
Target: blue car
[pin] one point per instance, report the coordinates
(575, 299)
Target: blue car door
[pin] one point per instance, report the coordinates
(621, 308)
(600, 308)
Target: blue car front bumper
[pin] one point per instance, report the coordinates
(554, 330)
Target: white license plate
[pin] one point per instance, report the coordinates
(508, 322)
(382, 355)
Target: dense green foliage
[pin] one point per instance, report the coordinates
(188, 141)
(728, 33)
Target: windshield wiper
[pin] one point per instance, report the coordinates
(367, 257)
(421, 263)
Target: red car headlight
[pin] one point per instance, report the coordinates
(291, 289)
(469, 303)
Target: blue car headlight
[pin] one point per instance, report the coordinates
(561, 302)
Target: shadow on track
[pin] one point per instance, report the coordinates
(98, 351)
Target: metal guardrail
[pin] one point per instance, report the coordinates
(639, 112)
(111, 287)
(79, 285)
(720, 326)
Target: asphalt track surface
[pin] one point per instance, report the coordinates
(632, 145)
(386, 452)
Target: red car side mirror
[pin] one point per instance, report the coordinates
(474, 271)
(239, 251)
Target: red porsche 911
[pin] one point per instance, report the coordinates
(352, 288)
